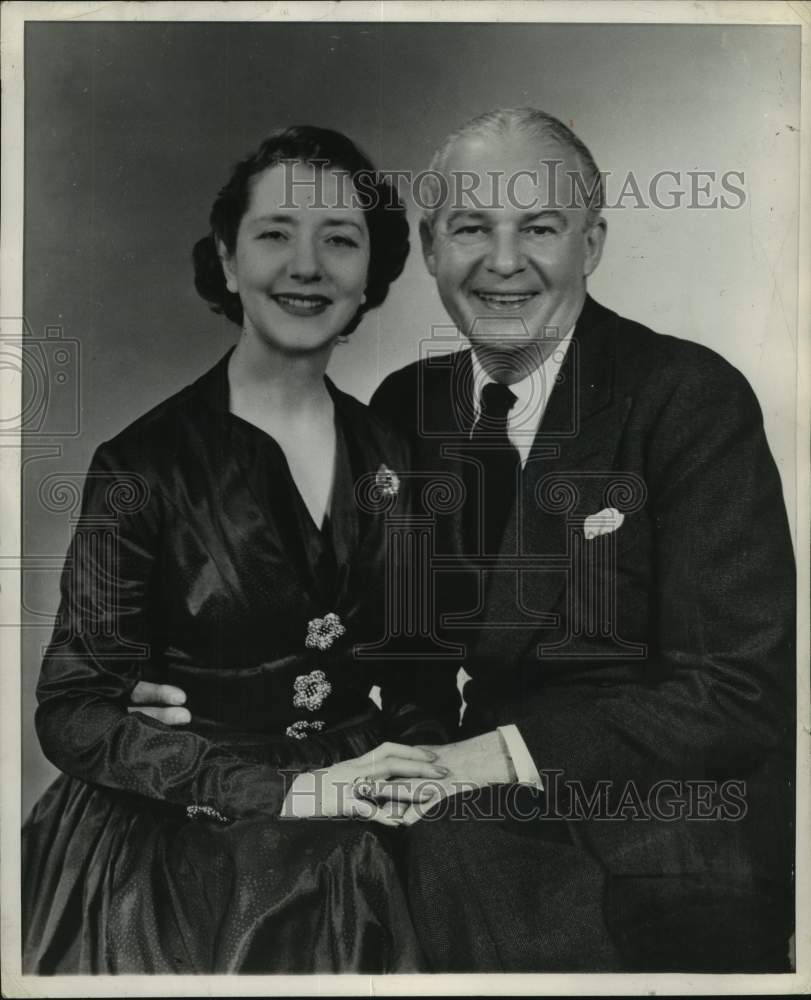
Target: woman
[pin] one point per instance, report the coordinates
(221, 549)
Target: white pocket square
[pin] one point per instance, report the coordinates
(602, 523)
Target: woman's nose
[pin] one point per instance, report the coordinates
(505, 257)
(304, 264)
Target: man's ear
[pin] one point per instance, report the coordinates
(427, 240)
(595, 241)
(227, 267)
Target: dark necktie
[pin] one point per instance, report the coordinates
(500, 464)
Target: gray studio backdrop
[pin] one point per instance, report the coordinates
(131, 128)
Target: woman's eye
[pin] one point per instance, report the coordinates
(338, 240)
(272, 234)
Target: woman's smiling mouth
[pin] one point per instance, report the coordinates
(302, 305)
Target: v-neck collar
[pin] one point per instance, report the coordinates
(284, 510)
(272, 443)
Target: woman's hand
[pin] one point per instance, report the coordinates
(469, 764)
(334, 791)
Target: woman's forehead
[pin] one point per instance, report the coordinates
(293, 186)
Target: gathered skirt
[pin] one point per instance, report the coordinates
(111, 884)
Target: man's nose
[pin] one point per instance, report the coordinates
(304, 264)
(505, 257)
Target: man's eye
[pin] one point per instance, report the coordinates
(541, 231)
(271, 234)
(468, 232)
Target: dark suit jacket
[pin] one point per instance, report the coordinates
(661, 651)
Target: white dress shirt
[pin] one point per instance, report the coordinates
(532, 395)
(523, 421)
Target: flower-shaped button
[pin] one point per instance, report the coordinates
(311, 690)
(299, 730)
(322, 632)
(387, 481)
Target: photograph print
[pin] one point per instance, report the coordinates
(409, 497)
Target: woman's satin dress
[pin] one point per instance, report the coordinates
(195, 562)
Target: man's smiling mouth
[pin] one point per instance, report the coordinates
(504, 301)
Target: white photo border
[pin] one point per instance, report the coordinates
(14, 17)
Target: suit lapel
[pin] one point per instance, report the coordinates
(577, 437)
(444, 422)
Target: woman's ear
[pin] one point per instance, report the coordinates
(226, 260)
(427, 240)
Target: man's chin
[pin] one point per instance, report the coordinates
(524, 352)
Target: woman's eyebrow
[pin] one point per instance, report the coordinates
(275, 217)
(334, 220)
(291, 220)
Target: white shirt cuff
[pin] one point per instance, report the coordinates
(525, 769)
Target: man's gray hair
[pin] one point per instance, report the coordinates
(538, 123)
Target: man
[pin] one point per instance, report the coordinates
(619, 582)
(635, 633)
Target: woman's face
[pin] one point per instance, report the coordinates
(301, 259)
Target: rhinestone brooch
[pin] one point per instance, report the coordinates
(322, 632)
(387, 481)
(301, 729)
(311, 690)
(207, 812)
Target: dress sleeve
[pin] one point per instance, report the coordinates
(102, 640)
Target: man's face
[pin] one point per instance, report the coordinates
(509, 253)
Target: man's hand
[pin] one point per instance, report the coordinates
(334, 791)
(481, 760)
(474, 763)
(161, 702)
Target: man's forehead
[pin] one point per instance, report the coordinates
(504, 152)
(515, 173)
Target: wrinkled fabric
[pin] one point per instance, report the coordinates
(116, 886)
(195, 562)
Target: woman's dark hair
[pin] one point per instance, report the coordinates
(383, 210)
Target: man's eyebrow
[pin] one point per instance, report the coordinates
(464, 213)
(544, 215)
(547, 215)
